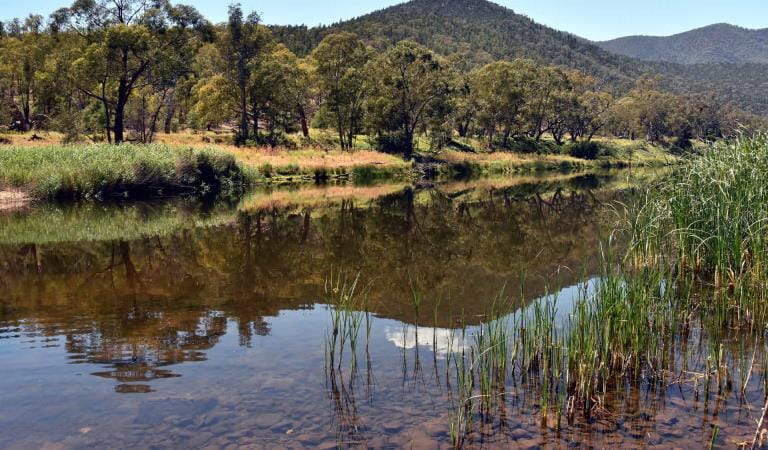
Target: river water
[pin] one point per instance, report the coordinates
(189, 324)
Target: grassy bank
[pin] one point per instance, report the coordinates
(101, 171)
(601, 154)
(320, 159)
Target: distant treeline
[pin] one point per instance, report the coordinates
(119, 71)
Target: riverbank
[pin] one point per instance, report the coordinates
(127, 171)
(41, 168)
(13, 199)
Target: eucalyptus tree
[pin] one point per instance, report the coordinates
(407, 83)
(241, 45)
(500, 88)
(339, 62)
(124, 41)
(22, 58)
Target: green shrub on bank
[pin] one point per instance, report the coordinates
(98, 171)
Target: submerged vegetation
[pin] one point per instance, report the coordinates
(680, 299)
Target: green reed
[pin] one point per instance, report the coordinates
(348, 308)
(689, 258)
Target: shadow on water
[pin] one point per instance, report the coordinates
(220, 317)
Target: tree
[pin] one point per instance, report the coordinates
(21, 59)
(406, 81)
(338, 68)
(243, 42)
(276, 95)
(546, 94)
(500, 88)
(590, 115)
(126, 39)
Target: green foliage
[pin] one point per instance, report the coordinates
(339, 62)
(407, 83)
(584, 150)
(98, 171)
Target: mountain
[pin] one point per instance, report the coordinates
(720, 43)
(479, 32)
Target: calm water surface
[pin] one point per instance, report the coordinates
(180, 324)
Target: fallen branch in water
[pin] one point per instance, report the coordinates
(759, 427)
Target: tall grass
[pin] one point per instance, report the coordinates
(98, 171)
(710, 219)
(686, 303)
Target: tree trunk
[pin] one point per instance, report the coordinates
(119, 117)
(169, 113)
(303, 121)
(123, 91)
(243, 137)
(408, 151)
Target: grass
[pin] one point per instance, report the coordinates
(319, 158)
(686, 303)
(101, 171)
(619, 154)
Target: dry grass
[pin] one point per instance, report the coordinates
(301, 161)
(308, 159)
(315, 159)
(43, 139)
(456, 157)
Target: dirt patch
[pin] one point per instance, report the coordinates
(13, 200)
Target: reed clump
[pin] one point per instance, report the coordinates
(102, 171)
(710, 220)
(680, 298)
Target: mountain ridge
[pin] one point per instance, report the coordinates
(478, 32)
(716, 43)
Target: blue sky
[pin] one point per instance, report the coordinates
(592, 19)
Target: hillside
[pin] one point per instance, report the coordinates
(720, 43)
(480, 31)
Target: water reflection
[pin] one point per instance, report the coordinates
(442, 341)
(213, 315)
(137, 303)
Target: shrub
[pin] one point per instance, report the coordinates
(525, 144)
(584, 150)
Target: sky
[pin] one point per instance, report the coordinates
(592, 19)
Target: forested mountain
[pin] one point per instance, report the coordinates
(719, 43)
(479, 31)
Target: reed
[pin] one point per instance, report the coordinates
(100, 171)
(681, 290)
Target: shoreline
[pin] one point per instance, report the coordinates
(11, 200)
(136, 171)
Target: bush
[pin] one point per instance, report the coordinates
(394, 142)
(585, 150)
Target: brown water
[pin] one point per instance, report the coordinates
(185, 325)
